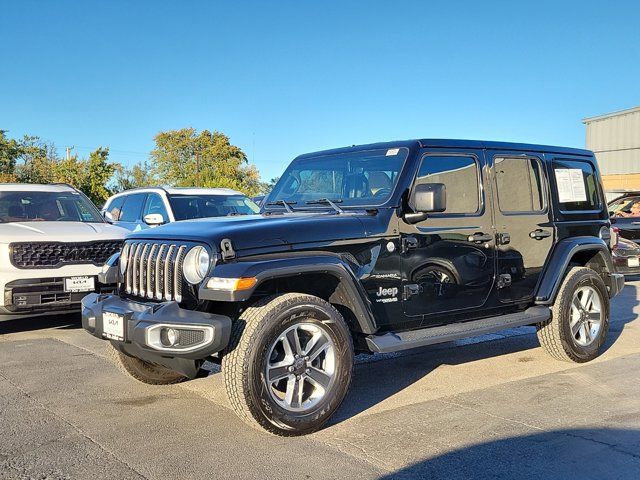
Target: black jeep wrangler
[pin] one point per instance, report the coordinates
(374, 248)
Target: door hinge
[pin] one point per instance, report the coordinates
(411, 290)
(504, 280)
(409, 243)
(503, 238)
(226, 249)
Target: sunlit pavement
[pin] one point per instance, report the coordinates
(492, 407)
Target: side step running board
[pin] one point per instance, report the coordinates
(393, 342)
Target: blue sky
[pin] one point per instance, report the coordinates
(284, 78)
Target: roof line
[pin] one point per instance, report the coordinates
(612, 114)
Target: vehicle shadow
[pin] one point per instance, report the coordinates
(28, 324)
(379, 377)
(622, 311)
(590, 453)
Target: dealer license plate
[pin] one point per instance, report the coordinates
(112, 326)
(79, 284)
(633, 262)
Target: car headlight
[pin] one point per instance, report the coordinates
(124, 255)
(196, 265)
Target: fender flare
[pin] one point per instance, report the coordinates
(354, 297)
(559, 261)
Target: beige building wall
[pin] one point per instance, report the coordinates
(615, 140)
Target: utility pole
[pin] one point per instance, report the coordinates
(68, 155)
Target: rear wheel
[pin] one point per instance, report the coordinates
(145, 372)
(579, 322)
(289, 364)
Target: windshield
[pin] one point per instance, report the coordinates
(47, 207)
(188, 207)
(356, 178)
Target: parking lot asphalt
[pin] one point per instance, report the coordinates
(490, 407)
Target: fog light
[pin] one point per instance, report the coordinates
(169, 337)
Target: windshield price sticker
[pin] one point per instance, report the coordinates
(570, 185)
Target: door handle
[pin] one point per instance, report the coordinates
(480, 237)
(539, 234)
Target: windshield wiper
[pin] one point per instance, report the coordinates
(326, 201)
(236, 214)
(283, 203)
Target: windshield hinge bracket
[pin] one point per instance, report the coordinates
(226, 249)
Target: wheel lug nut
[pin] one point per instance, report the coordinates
(297, 377)
(306, 358)
(291, 368)
(307, 370)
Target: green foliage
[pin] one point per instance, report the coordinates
(140, 175)
(9, 153)
(95, 174)
(37, 161)
(188, 158)
(184, 158)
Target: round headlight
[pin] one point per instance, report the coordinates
(196, 265)
(122, 261)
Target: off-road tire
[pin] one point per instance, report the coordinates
(555, 334)
(243, 362)
(145, 372)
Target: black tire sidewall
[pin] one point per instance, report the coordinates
(589, 352)
(265, 409)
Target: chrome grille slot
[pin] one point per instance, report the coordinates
(177, 274)
(158, 273)
(154, 270)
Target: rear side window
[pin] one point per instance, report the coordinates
(115, 207)
(132, 207)
(576, 185)
(459, 174)
(519, 185)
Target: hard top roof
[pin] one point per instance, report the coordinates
(462, 144)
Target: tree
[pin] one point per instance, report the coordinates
(95, 174)
(9, 153)
(188, 158)
(266, 187)
(37, 161)
(140, 175)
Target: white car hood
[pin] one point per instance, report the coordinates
(59, 232)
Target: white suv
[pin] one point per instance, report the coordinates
(142, 208)
(53, 244)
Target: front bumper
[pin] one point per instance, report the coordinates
(143, 321)
(29, 297)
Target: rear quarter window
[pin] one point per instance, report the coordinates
(576, 185)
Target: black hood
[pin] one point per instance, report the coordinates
(259, 231)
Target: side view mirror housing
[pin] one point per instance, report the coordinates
(153, 219)
(427, 198)
(108, 216)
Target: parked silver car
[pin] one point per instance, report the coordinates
(142, 208)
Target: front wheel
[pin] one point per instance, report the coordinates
(289, 363)
(579, 321)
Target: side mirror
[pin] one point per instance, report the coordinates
(108, 216)
(153, 219)
(427, 198)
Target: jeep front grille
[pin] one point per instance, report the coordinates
(55, 254)
(154, 270)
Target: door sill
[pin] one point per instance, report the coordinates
(394, 342)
